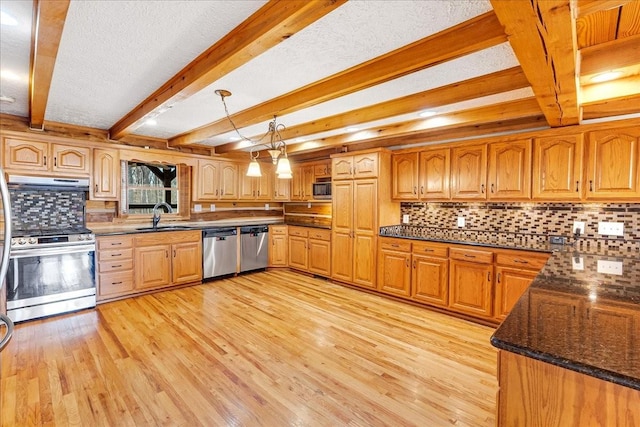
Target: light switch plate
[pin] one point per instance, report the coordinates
(461, 221)
(266, 206)
(611, 228)
(610, 267)
(197, 208)
(212, 208)
(405, 219)
(577, 263)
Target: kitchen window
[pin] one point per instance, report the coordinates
(145, 184)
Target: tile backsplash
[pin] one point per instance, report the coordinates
(532, 219)
(33, 209)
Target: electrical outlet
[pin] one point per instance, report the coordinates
(461, 221)
(405, 219)
(610, 267)
(197, 208)
(577, 263)
(308, 205)
(266, 206)
(611, 228)
(578, 225)
(212, 208)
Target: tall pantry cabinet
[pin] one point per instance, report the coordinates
(361, 196)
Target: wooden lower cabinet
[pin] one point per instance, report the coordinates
(394, 266)
(471, 282)
(133, 263)
(278, 246)
(538, 394)
(298, 254)
(310, 250)
(430, 276)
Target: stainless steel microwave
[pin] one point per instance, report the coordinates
(322, 190)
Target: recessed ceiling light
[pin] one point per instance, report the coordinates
(427, 113)
(151, 122)
(6, 19)
(300, 140)
(235, 138)
(605, 77)
(7, 99)
(351, 129)
(9, 75)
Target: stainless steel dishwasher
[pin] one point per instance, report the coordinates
(219, 252)
(254, 247)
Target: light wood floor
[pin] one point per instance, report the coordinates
(266, 349)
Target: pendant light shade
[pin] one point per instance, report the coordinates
(254, 168)
(284, 167)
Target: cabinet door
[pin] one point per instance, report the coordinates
(298, 253)
(228, 181)
(430, 280)
(510, 285)
(153, 266)
(394, 272)
(468, 172)
(365, 165)
(297, 183)
(404, 176)
(106, 174)
(557, 168)
(207, 180)
(246, 184)
(69, 159)
(186, 265)
(435, 169)
(613, 164)
(26, 155)
(264, 184)
(342, 168)
(278, 254)
(320, 257)
(342, 207)
(282, 189)
(365, 207)
(308, 178)
(470, 288)
(364, 260)
(510, 170)
(342, 256)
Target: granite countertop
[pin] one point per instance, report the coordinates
(578, 318)
(582, 311)
(109, 229)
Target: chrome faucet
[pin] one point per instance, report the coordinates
(156, 212)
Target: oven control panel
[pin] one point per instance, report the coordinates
(63, 240)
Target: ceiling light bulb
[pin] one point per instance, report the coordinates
(605, 77)
(151, 122)
(6, 19)
(351, 129)
(427, 114)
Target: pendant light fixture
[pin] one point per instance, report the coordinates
(276, 146)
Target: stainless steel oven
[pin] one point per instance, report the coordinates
(50, 275)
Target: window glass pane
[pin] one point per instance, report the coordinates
(148, 184)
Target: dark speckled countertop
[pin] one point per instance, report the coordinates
(575, 314)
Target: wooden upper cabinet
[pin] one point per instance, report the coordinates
(613, 164)
(557, 168)
(434, 173)
(256, 187)
(404, 176)
(342, 168)
(229, 180)
(509, 170)
(355, 166)
(216, 180)
(468, 172)
(106, 174)
(42, 156)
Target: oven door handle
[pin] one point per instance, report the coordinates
(57, 250)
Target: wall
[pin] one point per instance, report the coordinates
(531, 221)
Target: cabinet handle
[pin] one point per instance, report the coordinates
(96, 188)
(521, 261)
(430, 250)
(174, 253)
(422, 189)
(415, 190)
(498, 277)
(216, 191)
(407, 263)
(45, 160)
(492, 188)
(590, 185)
(577, 186)
(488, 276)
(116, 243)
(116, 283)
(254, 193)
(414, 263)
(116, 254)
(482, 188)
(55, 161)
(116, 266)
(469, 256)
(395, 245)
(166, 253)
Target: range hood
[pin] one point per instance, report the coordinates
(48, 182)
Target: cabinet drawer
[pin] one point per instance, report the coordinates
(298, 231)
(430, 249)
(320, 234)
(278, 229)
(471, 255)
(167, 237)
(395, 245)
(528, 260)
(115, 283)
(115, 265)
(115, 254)
(114, 242)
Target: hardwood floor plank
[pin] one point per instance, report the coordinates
(271, 348)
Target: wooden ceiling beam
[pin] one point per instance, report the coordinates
(490, 84)
(543, 37)
(413, 129)
(273, 23)
(587, 7)
(611, 107)
(609, 56)
(471, 36)
(48, 25)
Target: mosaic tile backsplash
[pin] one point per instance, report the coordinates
(46, 209)
(535, 221)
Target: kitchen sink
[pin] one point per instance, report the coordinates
(165, 228)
